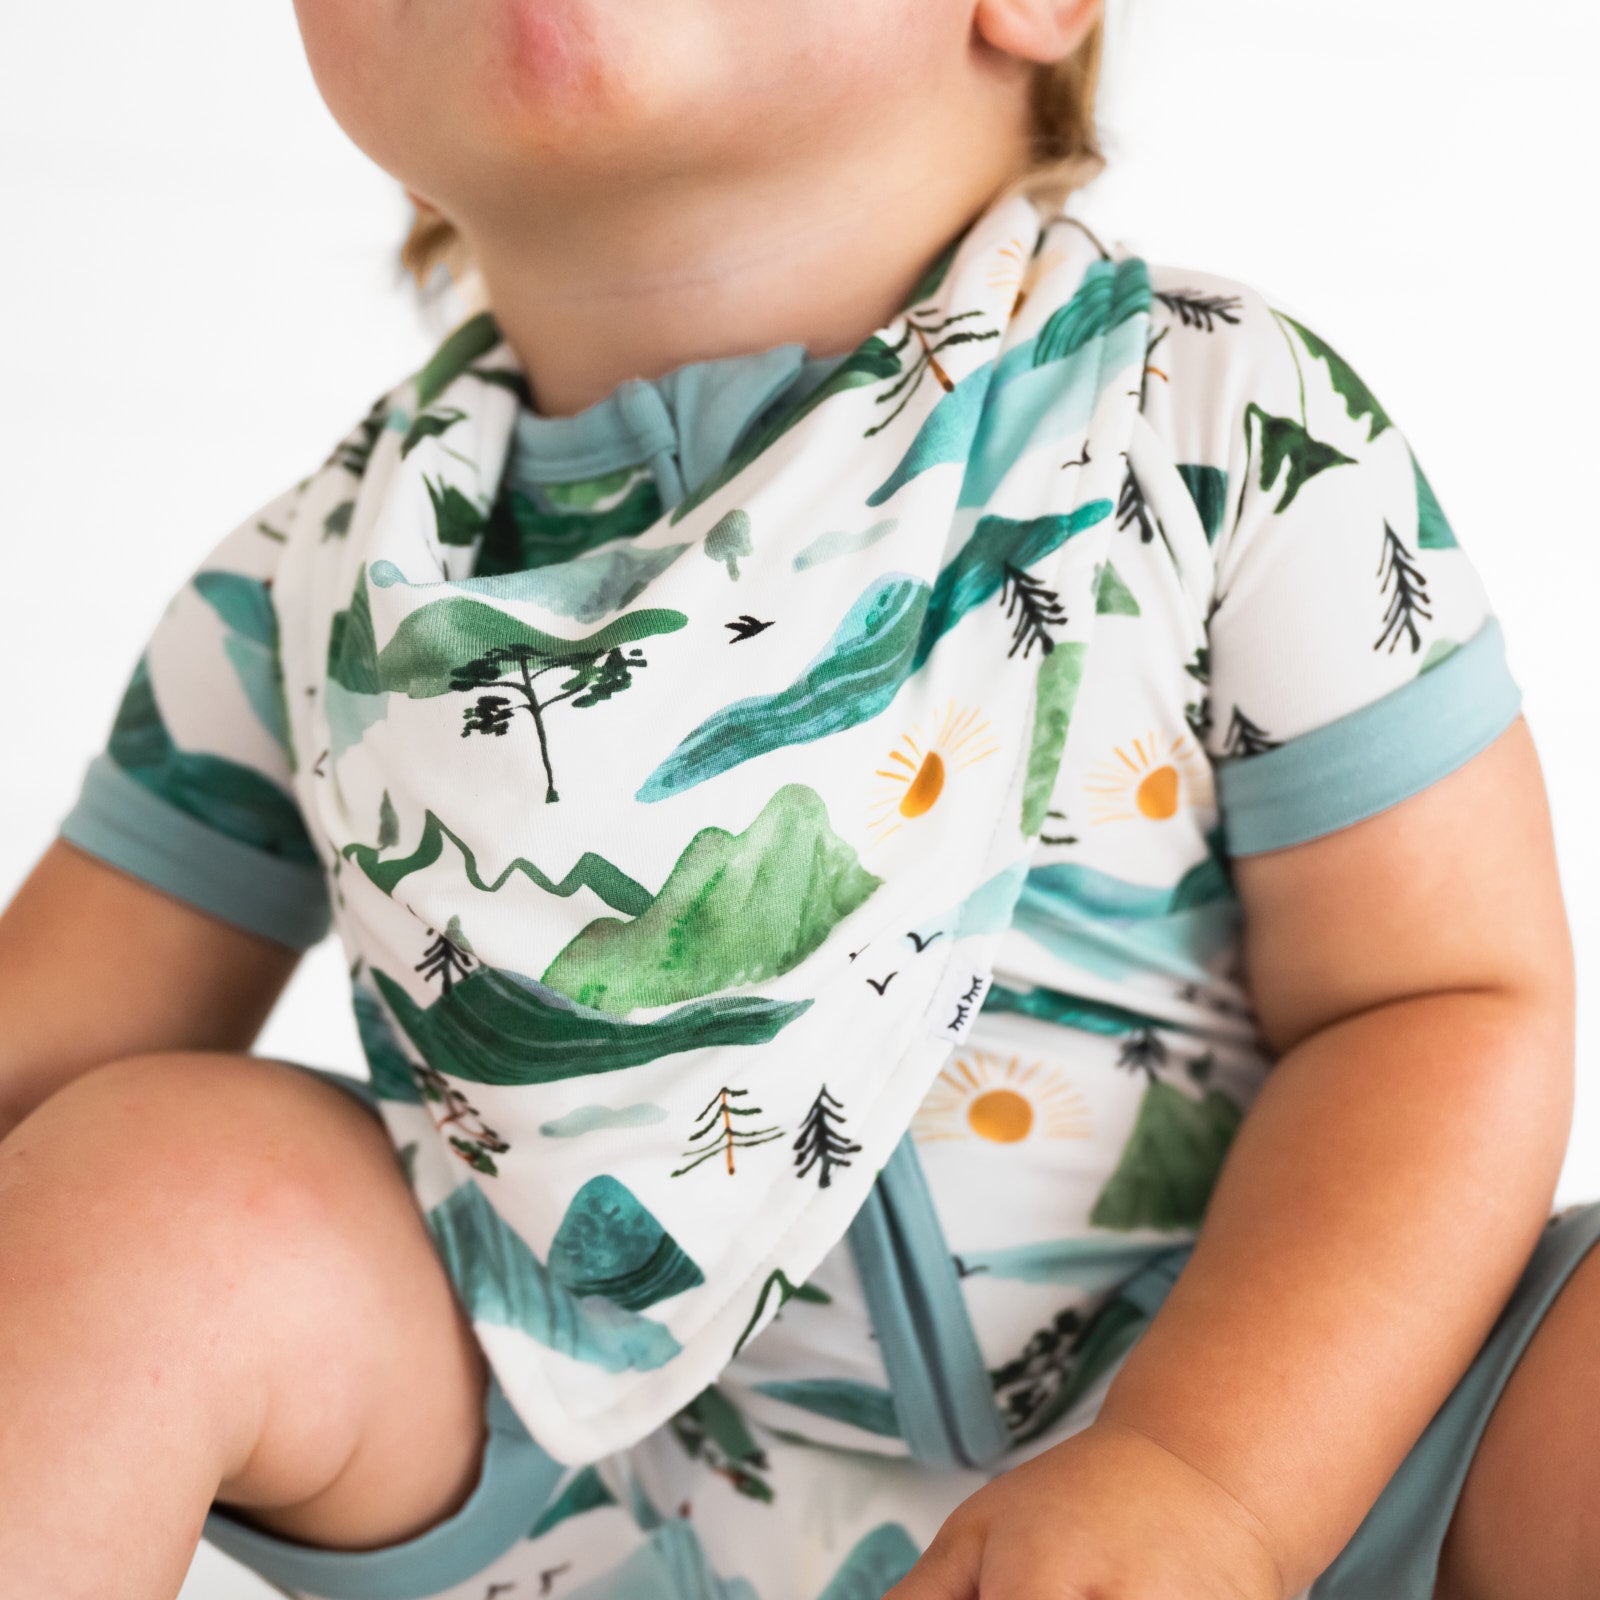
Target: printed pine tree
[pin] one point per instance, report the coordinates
(1246, 738)
(927, 359)
(1037, 610)
(1410, 597)
(1132, 508)
(1196, 310)
(1142, 1050)
(1026, 1388)
(820, 1143)
(448, 958)
(717, 1134)
(477, 1143)
(1197, 713)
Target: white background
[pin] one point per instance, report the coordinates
(195, 258)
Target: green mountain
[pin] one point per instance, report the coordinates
(496, 1026)
(737, 908)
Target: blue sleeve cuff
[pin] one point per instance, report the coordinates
(119, 820)
(1375, 756)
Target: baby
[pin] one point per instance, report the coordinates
(951, 912)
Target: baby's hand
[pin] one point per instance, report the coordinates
(1108, 1514)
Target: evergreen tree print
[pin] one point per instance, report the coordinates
(476, 1143)
(1037, 609)
(1246, 738)
(1197, 713)
(932, 337)
(1203, 311)
(1410, 597)
(1132, 508)
(1026, 1386)
(821, 1144)
(717, 1134)
(448, 958)
(596, 675)
(1142, 1051)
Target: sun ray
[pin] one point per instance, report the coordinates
(1007, 272)
(979, 1095)
(1169, 774)
(919, 768)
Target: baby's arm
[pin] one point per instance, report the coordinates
(1380, 1198)
(172, 909)
(1405, 947)
(99, 965)
(1390, 1181)
(1406, 951)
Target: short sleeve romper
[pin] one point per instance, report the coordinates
(1291, 640)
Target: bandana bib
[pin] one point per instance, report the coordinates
(671, 873)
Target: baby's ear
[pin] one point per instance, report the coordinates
(1036, 30)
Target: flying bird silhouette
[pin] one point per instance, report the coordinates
(747, 627)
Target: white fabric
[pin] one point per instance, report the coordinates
(995, 428)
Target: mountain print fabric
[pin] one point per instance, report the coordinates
(501, 770)
(1286, 637)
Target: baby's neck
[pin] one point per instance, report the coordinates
(589, 293)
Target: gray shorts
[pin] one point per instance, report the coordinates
(621, 1531)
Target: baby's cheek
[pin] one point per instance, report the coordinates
(396, 77)
(552, 46)
(350, 46)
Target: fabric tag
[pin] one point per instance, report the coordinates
(957, 1002)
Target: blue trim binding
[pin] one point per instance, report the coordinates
(514, 1486)
(119, 820)
(937, 1377)
(1373, 757)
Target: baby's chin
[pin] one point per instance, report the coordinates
(612, 87)
(453, 97)
(571, 60)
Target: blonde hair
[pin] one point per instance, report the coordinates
(1065, 156)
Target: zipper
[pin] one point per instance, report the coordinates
(938, 1381)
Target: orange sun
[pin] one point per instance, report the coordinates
(978, 1097)
(920, 767)
(1150, 782)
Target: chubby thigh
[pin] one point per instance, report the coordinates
(220, 1288)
